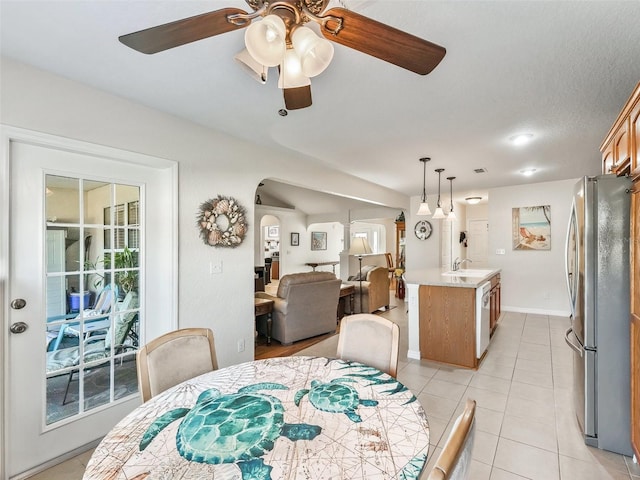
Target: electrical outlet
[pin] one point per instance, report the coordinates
(241, 345)
(500, 251)
(215, 267)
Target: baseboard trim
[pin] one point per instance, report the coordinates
(413, 354)
(53, 462)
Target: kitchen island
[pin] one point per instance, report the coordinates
(445, 313)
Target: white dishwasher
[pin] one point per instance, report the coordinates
(483, 330)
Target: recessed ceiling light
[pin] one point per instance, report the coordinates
(473, 200)
(528, 172)
(521, 139)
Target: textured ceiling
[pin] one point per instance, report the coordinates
(560, 70)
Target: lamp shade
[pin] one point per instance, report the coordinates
(438, 213)
(291, 75)
(315, 53)
(451, 216)
(424, 209)
(359, 246)
(266, 40)
(255, 70)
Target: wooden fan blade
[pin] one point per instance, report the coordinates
(180, 32)
(299, 97)
(382, 41)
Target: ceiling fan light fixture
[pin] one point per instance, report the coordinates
(266, 40)
(291, 75)
(255, 70)
(315, 53)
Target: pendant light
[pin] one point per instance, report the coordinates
(439, 213)
(424, 206)
(451, 216)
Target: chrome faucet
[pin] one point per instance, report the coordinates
(457, 263)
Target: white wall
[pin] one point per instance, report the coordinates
(532, 281)
(210, 163)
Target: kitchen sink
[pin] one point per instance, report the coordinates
(469, 272)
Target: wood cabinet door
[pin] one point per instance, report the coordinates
(635, 316)
(634, 138)
(607, 159)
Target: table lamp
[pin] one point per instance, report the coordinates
(359, 247)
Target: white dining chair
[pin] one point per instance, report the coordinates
(455, 458)
(173, 358)
(370, 339)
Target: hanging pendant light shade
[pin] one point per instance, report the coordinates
(451, 216)
(439, 213)
(424, 206)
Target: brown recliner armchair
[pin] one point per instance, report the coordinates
(375, 289)
(305, 306)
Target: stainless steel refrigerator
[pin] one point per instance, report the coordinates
(597, 266)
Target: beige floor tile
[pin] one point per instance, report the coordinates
(484, 447)
(499, 474)
(412, 381)
(541, 378)
(455, 375)
(579, 469)
(479, 471)
(532, 351)
(531, 392)
(488, 382)
(489, 421)
(531, 409)
(500, 371)
(437, 427)
(523, 430)
(440, 388)
(487, 399)
(438, 407)
(72, 469)
(527, 461)
(533, 365)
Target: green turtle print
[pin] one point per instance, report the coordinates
(234, 428)
(335, 397)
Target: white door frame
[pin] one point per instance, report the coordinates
(10, 134)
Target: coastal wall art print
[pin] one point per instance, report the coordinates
(531, 227)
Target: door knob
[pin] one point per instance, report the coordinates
(18, 327)
(18, 303)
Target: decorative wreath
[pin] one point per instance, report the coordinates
(222, 222)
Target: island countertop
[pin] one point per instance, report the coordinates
(438, 277)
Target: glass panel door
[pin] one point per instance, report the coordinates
(93, 253)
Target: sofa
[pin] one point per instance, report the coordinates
(305, 305)
(375, 289)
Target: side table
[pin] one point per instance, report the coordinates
(264, 306)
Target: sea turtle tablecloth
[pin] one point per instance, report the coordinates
(280, 418)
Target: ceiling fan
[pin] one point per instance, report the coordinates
(280, 39)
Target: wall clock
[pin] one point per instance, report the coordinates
(423, 230)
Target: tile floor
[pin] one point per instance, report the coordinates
(525, 424)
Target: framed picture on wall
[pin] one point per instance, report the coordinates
(295, 239)
(273, 232)
(318, 240)
(531, 228)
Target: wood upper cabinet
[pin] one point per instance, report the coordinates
(634, 137)
(620, 147)
(621, 155)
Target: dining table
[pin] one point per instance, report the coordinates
(296, 417)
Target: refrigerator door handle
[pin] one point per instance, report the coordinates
(573, 346)
(569, 275)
